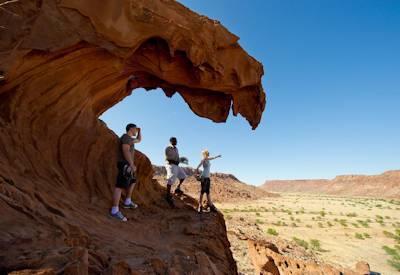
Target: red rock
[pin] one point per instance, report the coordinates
(269, 258)
(363, 268)
(65, 63)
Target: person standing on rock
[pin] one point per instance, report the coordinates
(173, 170)
(126, 178)
(205, 180)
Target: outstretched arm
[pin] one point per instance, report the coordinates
(211, 158)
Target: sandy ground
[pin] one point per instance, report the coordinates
(333, 221)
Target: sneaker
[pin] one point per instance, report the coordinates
(199, 209)
(132, 205)
(119, 216)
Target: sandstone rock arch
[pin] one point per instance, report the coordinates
(66, 62)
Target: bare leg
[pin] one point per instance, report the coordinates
(180, 183)
(129, 190)
(169, 195)
(200, 201)
(116, 196)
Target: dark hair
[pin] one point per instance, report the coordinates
(172, 139)
(129, 126)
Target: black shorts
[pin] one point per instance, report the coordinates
(205, 185)
(124, 178)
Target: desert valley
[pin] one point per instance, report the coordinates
(310, 221)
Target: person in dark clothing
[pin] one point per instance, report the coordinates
(126, 178)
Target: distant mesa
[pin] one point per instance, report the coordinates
(385, 185)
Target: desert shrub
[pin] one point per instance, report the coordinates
(363, 223)
(294, 224)
(320, 225)
(309, 226)
(343, 222)
(355, 225)
(359, 236)
(322, 213)
(330, 224)
(228, 217)
(394, 253)
(351, 215)
(280, 223)
(301, 242)
(258, 214)
(298, 220)
(315, 245)
(272, 231)
(395, 236)
(258, 221)
(366, 235)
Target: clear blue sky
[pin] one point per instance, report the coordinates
(332, 78)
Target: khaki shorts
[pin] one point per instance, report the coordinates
(174, 172)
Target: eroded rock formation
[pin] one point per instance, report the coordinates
(64, 63)
(268, 258)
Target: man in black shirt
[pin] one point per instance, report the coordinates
(126, 178)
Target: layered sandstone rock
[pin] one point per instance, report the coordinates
(64, 63)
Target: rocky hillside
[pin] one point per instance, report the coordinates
(224, 187)
(386, 185)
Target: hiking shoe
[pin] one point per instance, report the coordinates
(119, 216)
(132, 205)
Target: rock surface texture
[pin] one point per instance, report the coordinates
(63, 63)
(271, 258)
